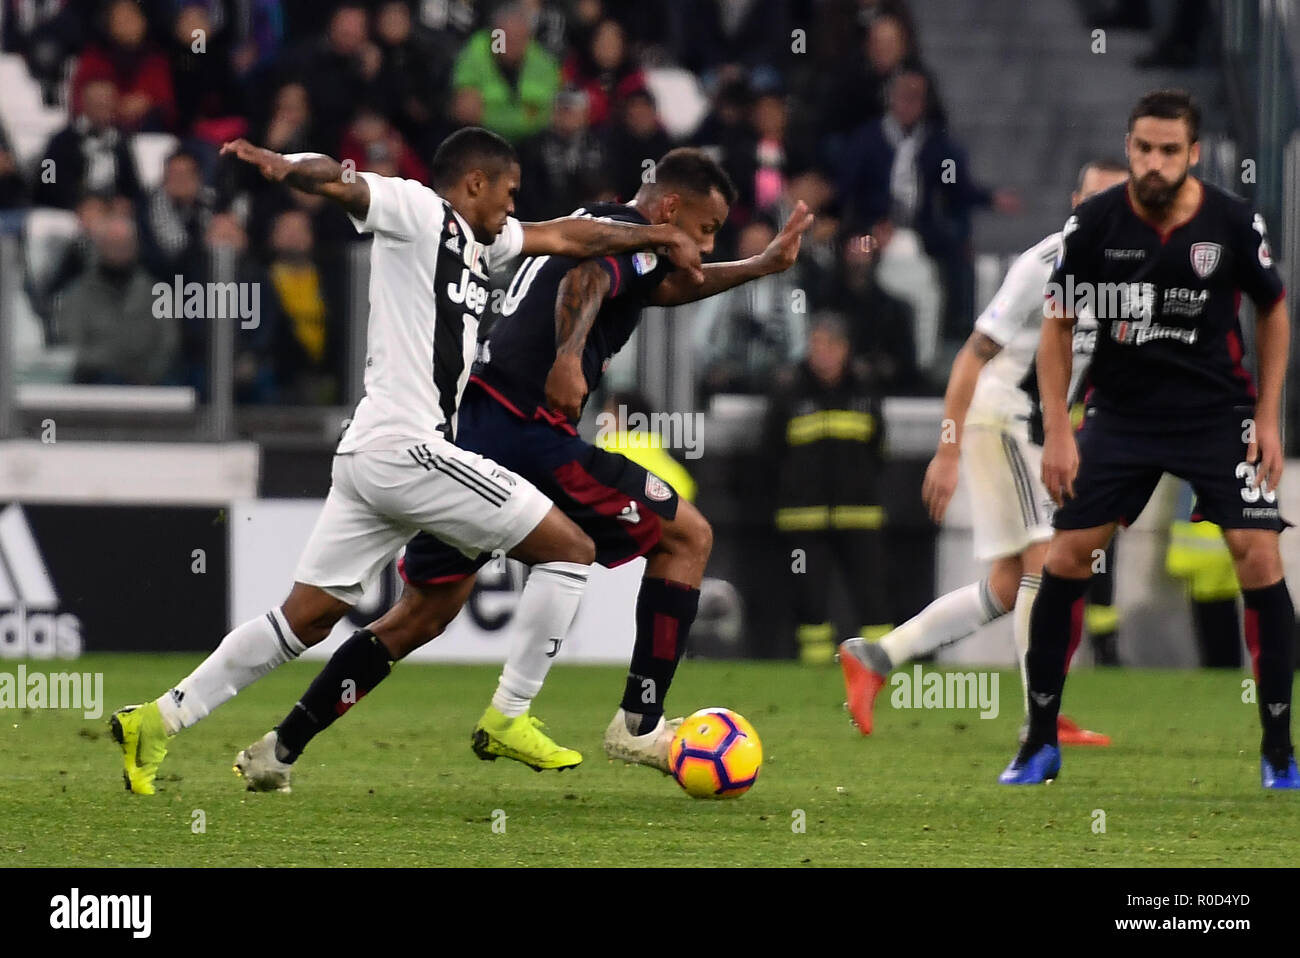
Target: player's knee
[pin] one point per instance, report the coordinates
(692, 535)
(1069, 562)
(312, 616)
(1257, 560)
(1005, 588)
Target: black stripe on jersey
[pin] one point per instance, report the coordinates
(469, 473)
(1024, 488)
(279, 636)
(448, 324)
(492, 496)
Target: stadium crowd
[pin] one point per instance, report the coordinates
(828, 101)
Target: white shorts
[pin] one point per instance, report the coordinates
(1010, 508)
(380, 499)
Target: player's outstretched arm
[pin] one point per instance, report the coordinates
(718, 277)
(1273, 345)
(582, 237)
(941, 475)
(309, 172)
(577, 303)
(1055, 355)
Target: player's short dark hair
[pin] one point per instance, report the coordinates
(1106, 164)
(469, 149)
(1169, 105)
(691, 170)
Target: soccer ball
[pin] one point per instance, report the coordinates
(715, 754)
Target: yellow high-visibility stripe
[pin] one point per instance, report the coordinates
(821, 632)
(1100, 619)
(873, 632)
(802, 518)
(840, 424)
(857, 517)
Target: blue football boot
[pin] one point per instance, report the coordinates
(1032, 768)
(1272, 776)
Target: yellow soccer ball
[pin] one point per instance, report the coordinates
(715, 754)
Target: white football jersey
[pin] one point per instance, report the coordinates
(428, 289)
(1007, 388)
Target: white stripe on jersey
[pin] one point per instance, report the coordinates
(413, 389)
(1014, 320)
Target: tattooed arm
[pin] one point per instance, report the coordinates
(582, 291)
(309, 172)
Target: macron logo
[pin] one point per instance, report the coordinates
(74, 911)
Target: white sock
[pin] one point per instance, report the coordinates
(546, 610)
(243, 657)
(1025, 596)
(944, 621)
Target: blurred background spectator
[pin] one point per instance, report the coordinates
(124, 56)
(566, 165)
(909, 185)
(604, 69)
(512, 78)
(90, 156)
(107, 314)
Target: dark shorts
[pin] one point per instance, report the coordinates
(1121, 458)
(620, 504)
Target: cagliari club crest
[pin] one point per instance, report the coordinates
(1205, 257)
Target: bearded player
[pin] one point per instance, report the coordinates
(1170, 394)
(992, 424)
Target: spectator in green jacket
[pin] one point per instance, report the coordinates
(108, 315)
(504, 79)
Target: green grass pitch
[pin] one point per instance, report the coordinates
(395, 783)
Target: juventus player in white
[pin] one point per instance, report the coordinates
(988, 408)
(396, 471)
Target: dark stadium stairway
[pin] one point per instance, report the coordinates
(1031, 102)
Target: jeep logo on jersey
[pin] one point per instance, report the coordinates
(468, 292)
(1205, 257)
(30, 624)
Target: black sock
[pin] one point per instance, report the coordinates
(1218, 633)
(358, 665)
(1269, 626)
(1055, 627)
(664, 613)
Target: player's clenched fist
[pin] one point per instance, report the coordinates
(1060, 464)
(566, 386)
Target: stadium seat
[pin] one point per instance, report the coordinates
(679, 100)
(27, 120)
(150, 151)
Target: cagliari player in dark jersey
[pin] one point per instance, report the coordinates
(559, 321)
(1164, 260)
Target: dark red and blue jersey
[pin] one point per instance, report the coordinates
(516, 357)
(1168, 338)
